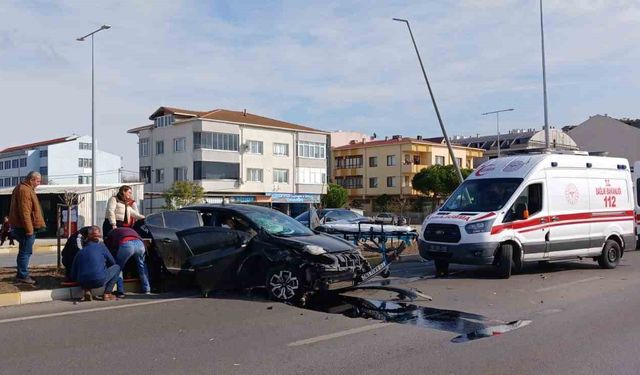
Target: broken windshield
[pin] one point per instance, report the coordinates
(278, 223)
(482, 195)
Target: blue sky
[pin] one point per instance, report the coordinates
(330, 65)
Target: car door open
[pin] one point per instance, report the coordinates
(163, 227)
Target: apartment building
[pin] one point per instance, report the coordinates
(371, 168)
(234, 155)
(60, 161)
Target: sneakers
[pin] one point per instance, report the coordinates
(26, 280)
(120, 294)
(87, 296)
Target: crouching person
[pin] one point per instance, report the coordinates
(94, 267)
(126, 243)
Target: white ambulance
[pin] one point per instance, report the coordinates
(636, 189)
(542, 207)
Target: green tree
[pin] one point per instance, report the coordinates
(383, 202)
(183, 193)
(438, 181)
(336, 196)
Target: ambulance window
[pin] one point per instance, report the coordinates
(530, 200)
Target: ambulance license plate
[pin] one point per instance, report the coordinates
(438, 248)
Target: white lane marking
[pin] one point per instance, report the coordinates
(106, 308)
(559, 286)
(339, 334)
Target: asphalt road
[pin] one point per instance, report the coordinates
(582, 321)
(37, 259)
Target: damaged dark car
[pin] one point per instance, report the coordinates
(243, 246)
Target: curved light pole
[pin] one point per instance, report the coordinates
(93, 128)
(433, 100)
(498, 122)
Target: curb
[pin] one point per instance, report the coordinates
(58, 294)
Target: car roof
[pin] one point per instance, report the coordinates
(242, 208)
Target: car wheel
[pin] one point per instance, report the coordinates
(505, 261)
(610, 255)
(442, 268)
(284, 284)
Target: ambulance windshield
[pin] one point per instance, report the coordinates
(482, 195)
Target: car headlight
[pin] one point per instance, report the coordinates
(314, 249)
(479, 227)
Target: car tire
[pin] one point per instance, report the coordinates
(442, 267)
(284, 284)
(611, 254)
(505, 261)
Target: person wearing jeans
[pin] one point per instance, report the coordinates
(94, 267)
(25, 217)
(127, 243)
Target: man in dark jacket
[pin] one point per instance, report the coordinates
(94, 267)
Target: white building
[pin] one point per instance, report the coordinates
(61, 161)
(234, 155)
(607, 134)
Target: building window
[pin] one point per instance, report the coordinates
(1, 182)
(311, 150)
(7, 164)
(406, 182)
(216, 141)
(281, 175)
(159, 175)
(391, 181)
(1, 165)
(7, 181)
(145, 174)
(15, 163)
(439, 160)
(143, 147)
(350, 182)
(85, 146)
(254, 174)
(44, 171)
(391, 160)
(84, 180)
(373, 182)
(84, 163)
(212, 170)
(44, 153)
(254, 147)
(180, 174)
(15, 180)
(281, 149)
(373, 161)
(312, 176)
(23, 162)
(180, 144)
(162, 121)
(459, 161)
(159, 147)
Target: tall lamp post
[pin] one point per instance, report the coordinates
(498, 122)
(93, 128)
(433, 100)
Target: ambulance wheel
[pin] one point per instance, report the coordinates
(386, 273)
(610, 255)
(284, 284)
(442, 267)
(505, 260)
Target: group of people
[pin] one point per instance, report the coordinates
(95, 263)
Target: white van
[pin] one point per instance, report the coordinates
(636, 192)
(543, 207)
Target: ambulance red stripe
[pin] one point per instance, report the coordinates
(566, 219)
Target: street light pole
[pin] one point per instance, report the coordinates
(498, 122)
(433, 100)
(544, 84)
(93, 128)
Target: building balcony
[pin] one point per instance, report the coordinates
(413, 168)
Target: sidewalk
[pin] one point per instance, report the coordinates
(42, 245)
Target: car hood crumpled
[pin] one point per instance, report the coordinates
(330, 243)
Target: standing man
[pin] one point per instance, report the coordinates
(25, 216)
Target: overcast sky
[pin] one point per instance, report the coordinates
(329, 65)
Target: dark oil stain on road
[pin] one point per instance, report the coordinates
(468, 326)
